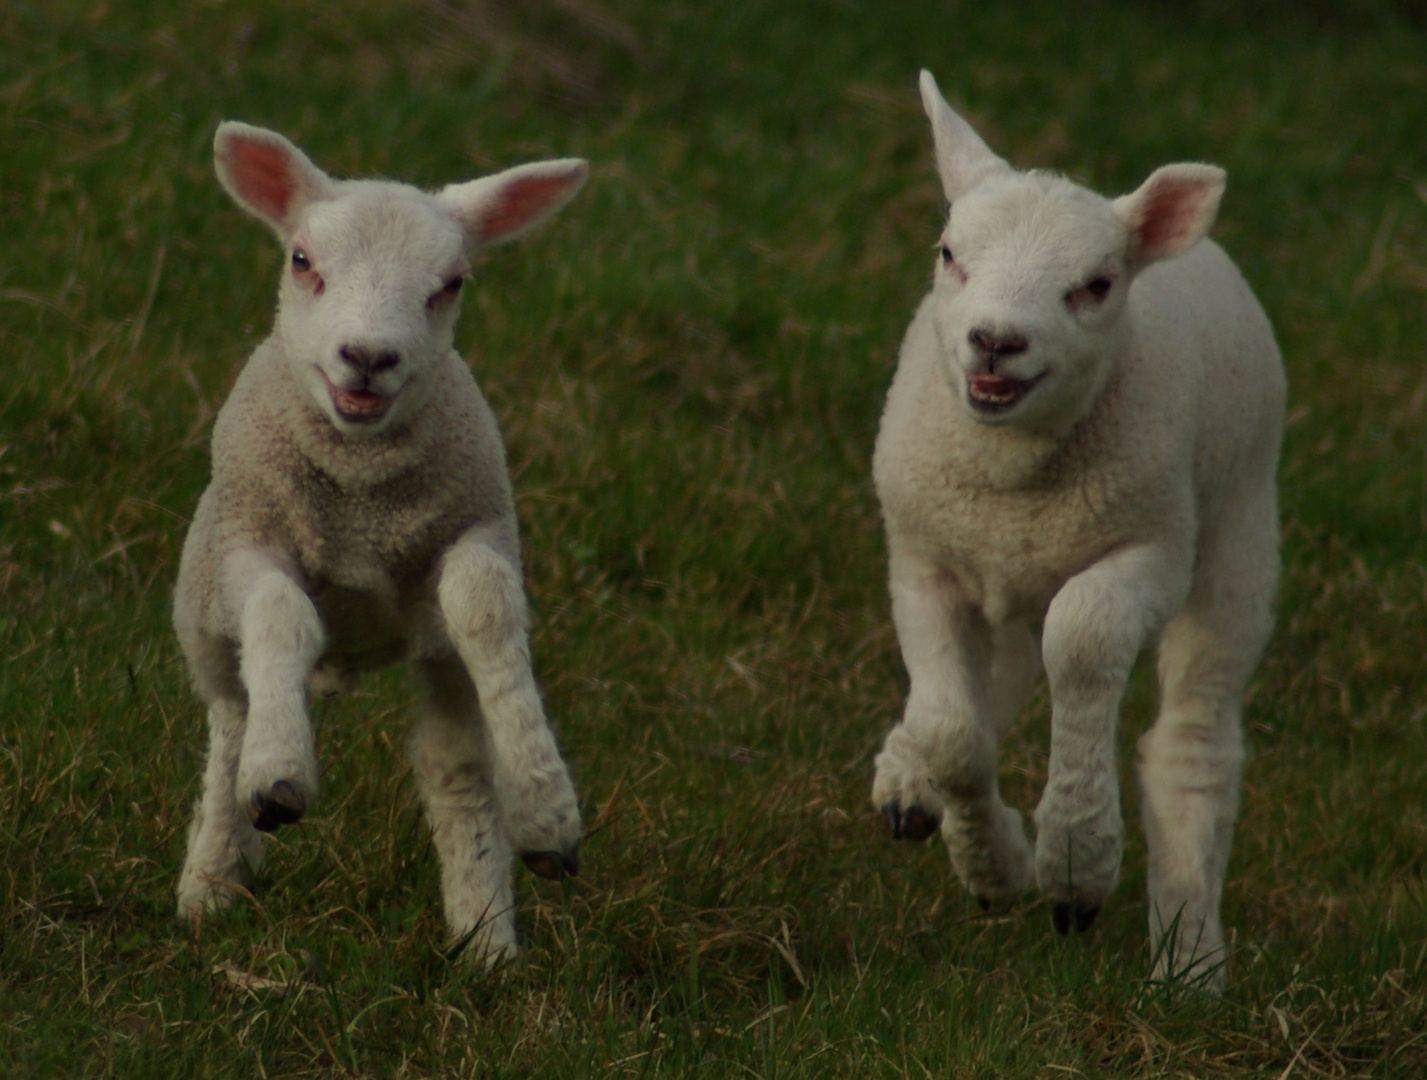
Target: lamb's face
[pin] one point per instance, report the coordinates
(368, 302)
(1031, 281)
(367, 306)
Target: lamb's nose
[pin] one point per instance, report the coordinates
(990, 345)
(369, 360)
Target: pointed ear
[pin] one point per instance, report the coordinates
(498, 208)
(1171, 211)
(962, 158)
(266, 175)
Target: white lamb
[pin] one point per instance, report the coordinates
(1077, 458)
(360, 513)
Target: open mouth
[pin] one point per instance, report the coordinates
(358, 406)
(990, 393)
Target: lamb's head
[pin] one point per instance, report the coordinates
(1033, 272)
(369, 295)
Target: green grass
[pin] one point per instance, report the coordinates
(689, 366)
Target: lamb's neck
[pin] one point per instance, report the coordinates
(353, 462)
(1016, 458)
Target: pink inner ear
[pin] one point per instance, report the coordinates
(518, 202)
(1170, 213)
(263, 176)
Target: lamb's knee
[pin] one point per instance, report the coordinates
(958, 755)
(1191, 748)
(1089, 658)
(277, 611)
(482, 597)
(1097, 624)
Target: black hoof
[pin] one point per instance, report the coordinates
(911, 824)
(553, 864)
(1062, 915)
(984, 903)
(282, 805)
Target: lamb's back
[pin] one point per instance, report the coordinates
(1212, 344)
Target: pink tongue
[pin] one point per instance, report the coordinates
(360, 401)
(988, 385)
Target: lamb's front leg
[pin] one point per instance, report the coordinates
(483, 601)
(1094, 630)
(939, 763)
(281, 639)
(451, 757)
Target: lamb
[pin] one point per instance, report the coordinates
(360, 512)
(1077, 458)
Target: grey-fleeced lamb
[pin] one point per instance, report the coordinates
(360, 513)
(1077, 460)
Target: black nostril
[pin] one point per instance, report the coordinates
(368, 360)
(1011, 344)
(994, 346)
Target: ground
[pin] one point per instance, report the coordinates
(688, 365)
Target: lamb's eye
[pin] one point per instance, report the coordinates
(946, 255)
(446, 294)
(1099, 287)
(300, 262)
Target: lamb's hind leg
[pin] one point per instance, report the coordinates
(224, 850)
(484, 604)
(452, 761)
(1191, 759)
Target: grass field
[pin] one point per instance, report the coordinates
(689, 366)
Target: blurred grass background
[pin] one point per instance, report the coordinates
(689, 366)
